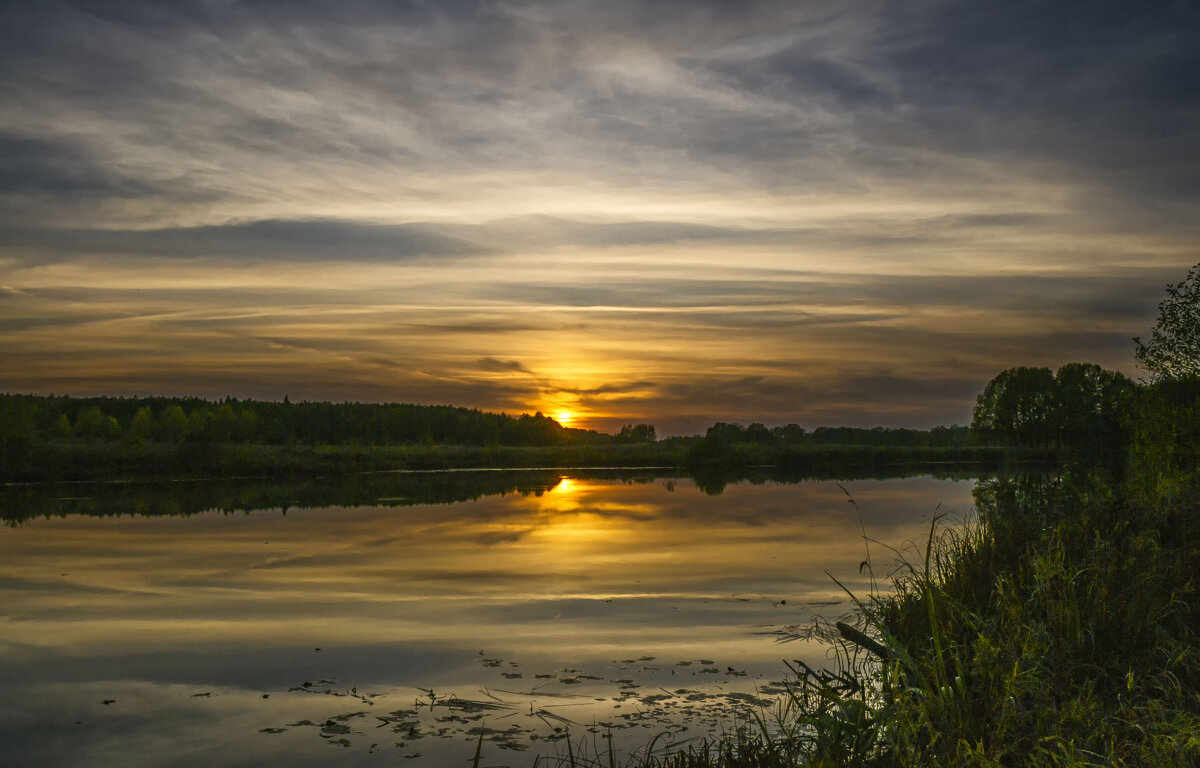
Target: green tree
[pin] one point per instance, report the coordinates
(1089, 405)
(636, 433)
(18, 416)
(173, 422)
(221, 423)
(1017, 406)
(1082, 405)
(724, 434)
(1165, 443)
(1173, 351)
(246, 430)
(110, 429)
(197, 426)
(90, 423)
(758, 433)
(142, 426)
(792, 433)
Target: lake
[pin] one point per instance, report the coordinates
(394, 616)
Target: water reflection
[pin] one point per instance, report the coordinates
(560, 601)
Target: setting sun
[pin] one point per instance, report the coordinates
(565, 418)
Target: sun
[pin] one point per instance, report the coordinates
(565, 418)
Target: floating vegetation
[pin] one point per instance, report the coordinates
(519, 720)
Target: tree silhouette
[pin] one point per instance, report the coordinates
(1079, 406)
(1016, 406)
(1173, 351)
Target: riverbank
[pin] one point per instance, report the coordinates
(83, 460)
(1060, 630)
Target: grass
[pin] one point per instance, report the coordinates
(1059, 632)
(1058, 629)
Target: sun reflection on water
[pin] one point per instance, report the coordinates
(241, 610)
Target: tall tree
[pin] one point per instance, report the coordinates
(1173, 351)
(1089, 404)
(1016, 406)
(1080, 406)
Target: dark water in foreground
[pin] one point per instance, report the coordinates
(571, 605)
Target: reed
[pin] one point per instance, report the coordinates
(1057, 629)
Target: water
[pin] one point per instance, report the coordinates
(536, 606)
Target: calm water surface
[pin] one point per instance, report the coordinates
(564, 607)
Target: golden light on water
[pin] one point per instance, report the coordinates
(588, 570)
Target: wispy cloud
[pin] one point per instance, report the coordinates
(771, 211)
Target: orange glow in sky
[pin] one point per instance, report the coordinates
(613, 212)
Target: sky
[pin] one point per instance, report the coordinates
(823, 213)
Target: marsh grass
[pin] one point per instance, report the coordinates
(1057, 629)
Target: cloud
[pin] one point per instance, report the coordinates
(765, 210)
(502, 366)
(301, 240)
(492, 538)
(618, 389)
(39, 166)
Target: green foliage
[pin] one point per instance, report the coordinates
(734, 445)
(1173, 351)
(1058, 633)
(1082, 406)
(1016, 407)
(639, 433)
(1058, 630)
(1164, 457)
(730, 448)
(173, 422)
(1089, 405)
(90, 423)
(142, 427)
(249, 421)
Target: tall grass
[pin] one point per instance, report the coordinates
(1058, 629)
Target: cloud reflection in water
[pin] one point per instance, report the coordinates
(150, 611)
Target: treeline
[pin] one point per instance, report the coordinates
(730, 434)
(1083, 410)
(58, 437)
(1079, 406)
(732, 445)
(193, 420)
(21, 502)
